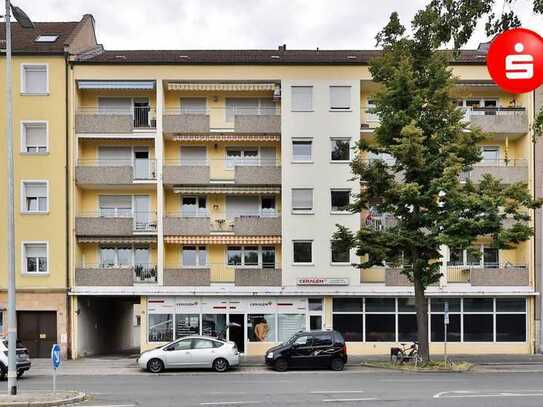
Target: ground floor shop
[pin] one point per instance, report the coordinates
(42, 321)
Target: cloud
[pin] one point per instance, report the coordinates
(230, 24)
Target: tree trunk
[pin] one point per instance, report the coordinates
(422, 319)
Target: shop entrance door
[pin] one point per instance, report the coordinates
(237, 334)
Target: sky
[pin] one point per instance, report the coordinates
(249, 24)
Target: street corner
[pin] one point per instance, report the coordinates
(43, 399)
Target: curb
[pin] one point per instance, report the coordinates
(417, 370)
(76, 397)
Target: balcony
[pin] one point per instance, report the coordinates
(115, 276)
(114, 172)
(111, 120)
(509, 121)
(187, 276)
(247, 277)
(176, 223)
(498, 275)
(257, 171)
(509, 171)
(115, 222)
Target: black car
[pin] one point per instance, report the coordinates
(315, 349)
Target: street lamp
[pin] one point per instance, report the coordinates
(24, 22)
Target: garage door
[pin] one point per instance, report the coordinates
(38, 331)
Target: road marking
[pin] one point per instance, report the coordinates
(229, 403)
(347, 400)
(336, 391)
(471, 394)
(110, 405)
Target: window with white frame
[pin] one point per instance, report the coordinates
(248, 106)
(251, 256)
(34, 137)
(340, 199)
(302, 199)
(340, 253)
(302, 251)
(301, 98)
(340, 149)
(124, 256)
(193, 256)
(340, 97)
(115, 206)
(194, 206)
(46, 38)
(478, 256)
(35, 258)
(35, 197)
(302, 150)
(34, 79)
(491, 155)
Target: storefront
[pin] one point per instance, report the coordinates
(262, 322)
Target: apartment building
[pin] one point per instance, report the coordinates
(40, 142)
(204, 188)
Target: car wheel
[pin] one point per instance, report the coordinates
(281, 365)
(220, 365)
(337, 364)
(3, 372)
(20, 374)
(155, 365)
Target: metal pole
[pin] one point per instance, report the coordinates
(12, 313)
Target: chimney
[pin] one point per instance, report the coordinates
(282, 47)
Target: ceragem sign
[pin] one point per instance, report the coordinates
(515, 60)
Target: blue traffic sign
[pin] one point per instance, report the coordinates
(55, 356)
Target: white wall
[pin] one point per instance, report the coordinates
(321, 125)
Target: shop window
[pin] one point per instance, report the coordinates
(437, 328)
(380, 328)
(160, 327)
(406, 305)
(438, 304)
(315, 322)
(407, 327)
(349, 325)
(186, 325)
(314, 304)
(213, 324)
(478, 328)
(289, 324)
(510, 305)
(348, 305)
(261, 327)
(510, 328)
(380, 305)
(478, 304)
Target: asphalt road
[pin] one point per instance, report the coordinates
(352, 387)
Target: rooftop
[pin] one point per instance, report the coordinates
(24, 40)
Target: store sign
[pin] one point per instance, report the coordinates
(322, 281)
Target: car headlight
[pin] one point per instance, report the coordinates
(269, 355)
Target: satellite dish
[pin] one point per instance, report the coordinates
(21, 17)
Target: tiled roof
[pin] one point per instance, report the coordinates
(24, 40)
(256, 57)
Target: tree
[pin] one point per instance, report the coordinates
(422, 129)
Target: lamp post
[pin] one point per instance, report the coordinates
(25, 22)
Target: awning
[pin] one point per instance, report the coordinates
(226, 137)
(484, 83)
(227, 87)
(117, 240)
(223, 239)
(225, 189)
(141, 85)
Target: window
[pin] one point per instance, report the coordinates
(193, 105)
(301, 150)
(115, 205)
(302, 98)
(194, 206)
(182, 345)
(268, 206)
(202, 344)
(251, 256)
(241, 156)
(35, 258)
(186, 325)
(160, 327)
(268, 257)
(322, 340)
(302, 199)
(116, 256)
(213, 324)
(288, 325)
(341, 150)
(491, 155)
(349, 325)
(304, 340)
(314, 304)
(303, 251)
(34, 137)
(193, 156)
(46, 38)
(248, 106)
(478, 256)
(115, 156)
(340, 253)
(371, 117)
(34, 79)
(35, 197)
(340, 200)
(194, 256)
(340, 97)
(261, 327)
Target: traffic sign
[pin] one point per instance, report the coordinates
(55, 356)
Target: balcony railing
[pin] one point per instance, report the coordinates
(223, 119)
(106, 274)
(115, 222)
(508, 170)
(200, 222)
(101, 119)
(489, 274)
(115, 171)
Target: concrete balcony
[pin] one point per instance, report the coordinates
(498, 120)
(179, 122)
(257, 123)
(114, 172)
(257, 175)
(187, 276)
(114, 224)
(175, 224)
(120, 276)
(246, 277)
(101, 120)
(512, 275)
(257, 226)
(395, 278)
(509, 171)
(176, 174)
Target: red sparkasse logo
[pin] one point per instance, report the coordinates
(515, 60)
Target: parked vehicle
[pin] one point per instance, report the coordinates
(23, 358)
(191, 352)
(315, 349)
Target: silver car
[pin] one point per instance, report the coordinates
(191, 352)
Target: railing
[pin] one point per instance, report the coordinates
(228, 112)
(220, 222)
(141, 272)
(143, 168)
(229, 163)
(509, 169)
(142, 116)
(491, 111)
(502, 162)
(488, 274)
(144, 221)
